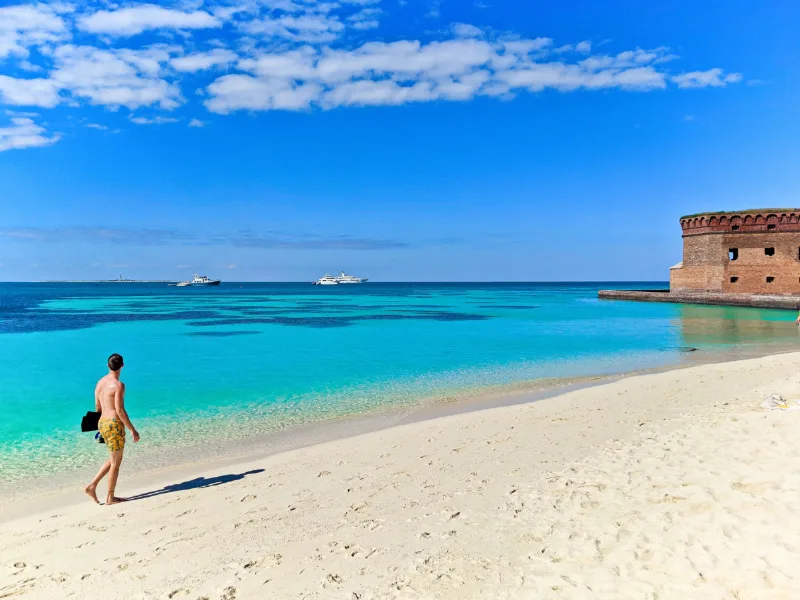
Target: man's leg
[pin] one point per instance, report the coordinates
(91, 489)
(113, 473)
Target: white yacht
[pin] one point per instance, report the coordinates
(183, 284)
(343, 277)
(203, 280)
(327, 280)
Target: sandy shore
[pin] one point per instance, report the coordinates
(667, 485)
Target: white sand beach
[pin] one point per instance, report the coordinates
(667, 485)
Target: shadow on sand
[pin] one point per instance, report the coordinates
(193, 484)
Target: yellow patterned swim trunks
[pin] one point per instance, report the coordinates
(113, 432)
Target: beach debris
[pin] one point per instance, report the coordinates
(324, 473)
(229, 593)
(776, 402)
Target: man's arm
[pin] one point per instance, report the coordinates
(119, 404)
(97, 406)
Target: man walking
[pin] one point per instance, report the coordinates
(109, 401)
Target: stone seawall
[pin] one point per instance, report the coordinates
(715, 298)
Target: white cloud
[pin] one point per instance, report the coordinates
(197, 123)
(153, 120)
(366, 18)
(23, 26)
(378, 73)
(583, 47)
(710, 78)
(525, 47)
(466, 30)
(296, 64)
(203, 60)
(136, 19)
(29, 92)
(405, 60)
(376, 93)
(97, 126)
(314, 28)
(236, 92)
(131, 78)
(733, 78)
(24, 133)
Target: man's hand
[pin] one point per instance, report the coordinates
(135, 436)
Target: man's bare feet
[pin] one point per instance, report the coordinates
(115, 500)
(91, 491)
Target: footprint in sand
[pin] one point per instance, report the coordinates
(269, 560)
(754, 489)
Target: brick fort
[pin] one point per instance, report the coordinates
(739, 258)
(746, 252)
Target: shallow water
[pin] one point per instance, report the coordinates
(205, 365)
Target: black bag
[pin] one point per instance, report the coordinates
(91, 421)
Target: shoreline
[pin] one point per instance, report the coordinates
(298, 437)
(225, 453)
(674, 484)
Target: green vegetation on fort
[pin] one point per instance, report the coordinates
(749, 211)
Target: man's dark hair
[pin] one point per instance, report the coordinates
(115, 362)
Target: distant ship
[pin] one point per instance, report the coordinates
(327, 280)
(343, 277)
(202, 280)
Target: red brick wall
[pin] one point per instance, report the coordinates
(747, 222)
(754, 266)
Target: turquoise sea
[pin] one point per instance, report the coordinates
(205, 365)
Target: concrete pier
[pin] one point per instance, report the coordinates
(697, 297)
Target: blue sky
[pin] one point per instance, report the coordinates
(400, 140)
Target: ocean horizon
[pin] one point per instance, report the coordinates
(229, 364)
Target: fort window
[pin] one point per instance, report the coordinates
(769, 251)
(733, 253)
(734, 227)
(771, 226)
(770, 279)
(734, 279)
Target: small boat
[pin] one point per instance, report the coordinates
(343, 277)
(327, 280)
(202, 280)
(183, 284)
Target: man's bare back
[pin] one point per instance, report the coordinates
(105, 391)
(109, 401)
